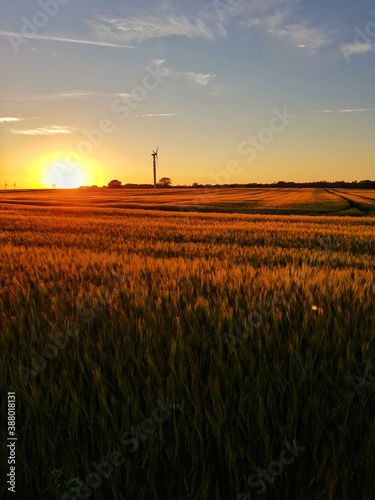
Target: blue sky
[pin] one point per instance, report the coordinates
(225, 70)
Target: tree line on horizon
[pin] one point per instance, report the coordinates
(166, 182)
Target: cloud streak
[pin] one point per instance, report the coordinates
(76, 93)
(10, 119)
(358, 110)
(134, 29)
(64, 94)
(152, 115)
(49, 38)
(52, 130)
(349, 110)
(67, 94)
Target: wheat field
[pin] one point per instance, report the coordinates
(166, 345)
(285, 201)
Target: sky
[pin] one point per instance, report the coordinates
(231, 91)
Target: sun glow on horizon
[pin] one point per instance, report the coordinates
(53, 170)
(63, 175)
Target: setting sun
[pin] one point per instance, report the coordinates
(53, 170)
(65, 176)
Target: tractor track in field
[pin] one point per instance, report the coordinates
(360, 196)
(363, 208)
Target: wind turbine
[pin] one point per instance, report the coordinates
(14, 185)
(154, 155)
(5, 185)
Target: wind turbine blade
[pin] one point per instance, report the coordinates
(157, 149)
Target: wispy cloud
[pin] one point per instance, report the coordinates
(220, 15)
(134, 29)
(161, 69)
(52, 130)
(269, 23)
(302, 36)
(357, 48)
(349, 110)
(152, 115)
(68, 94)
(298, 34)
(76, 93)
(200, 79)
(63, 94)
(358, 110)
(10, 119)
(66, 40)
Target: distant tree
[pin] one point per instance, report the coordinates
(195, 184)
(165, 182)
(115, 184)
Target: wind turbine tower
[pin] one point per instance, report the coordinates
(5, 185)
(154, 155)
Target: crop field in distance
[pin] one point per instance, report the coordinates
(287, 201)
(190, 344)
